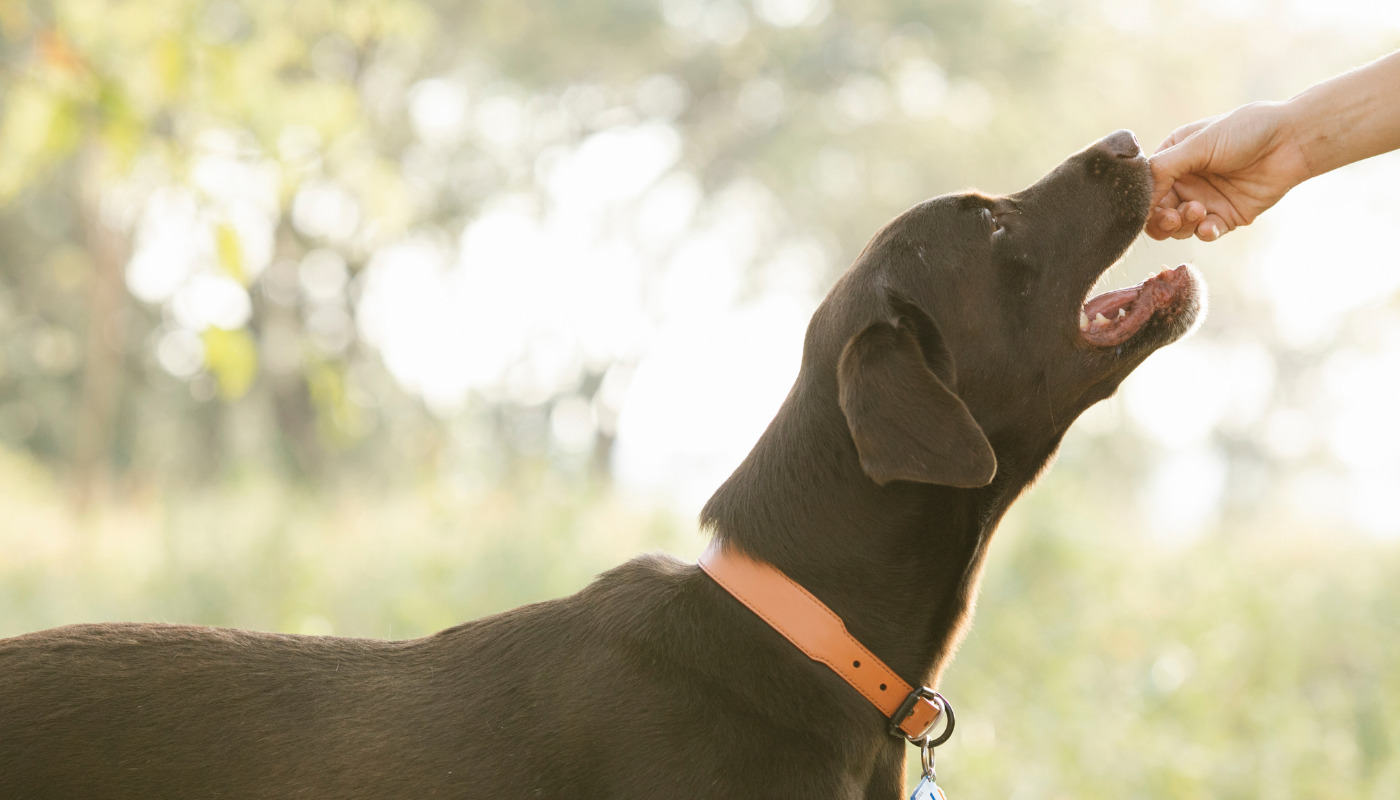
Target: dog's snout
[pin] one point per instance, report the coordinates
(1120, 144)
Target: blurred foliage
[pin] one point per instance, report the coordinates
(1100, 665)
(263, 467)
(1258, 665)
(255, 553)
(248, 111)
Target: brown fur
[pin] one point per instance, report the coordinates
(938, 378)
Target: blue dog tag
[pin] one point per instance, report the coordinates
(927, 790)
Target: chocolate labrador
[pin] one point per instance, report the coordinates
(938, 378)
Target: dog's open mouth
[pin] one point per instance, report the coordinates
(1115, 317)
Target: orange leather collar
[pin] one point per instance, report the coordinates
(817, 631)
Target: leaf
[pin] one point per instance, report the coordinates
(121, 132)
(28, 113)
(232, 358)
(170, 66)
(340, 421)
(230, 252)
(38, 127)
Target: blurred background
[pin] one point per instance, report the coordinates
(367, 317)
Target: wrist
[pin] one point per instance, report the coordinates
(1303, 131)
(1302, 127)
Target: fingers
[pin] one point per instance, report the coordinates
(1212, 228)
(1186, 220)
(1163, 222)
(1164, 219)
(1180, 222)
(1193, 213)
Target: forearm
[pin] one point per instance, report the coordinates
(1353, 116)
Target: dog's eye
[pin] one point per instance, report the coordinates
(994, 221)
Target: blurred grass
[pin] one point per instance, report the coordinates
(1101, 665)
(255, 554)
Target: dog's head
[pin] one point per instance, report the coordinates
(962, 337)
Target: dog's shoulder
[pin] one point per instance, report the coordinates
(643, 584)
(648, 568)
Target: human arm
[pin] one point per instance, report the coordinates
(1219, 173)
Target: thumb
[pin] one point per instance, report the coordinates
(1187, 154)
(1167, 166)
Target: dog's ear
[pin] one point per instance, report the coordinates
(907, 423)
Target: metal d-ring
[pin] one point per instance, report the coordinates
(945, 710)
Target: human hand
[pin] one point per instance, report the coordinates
(1215, 174)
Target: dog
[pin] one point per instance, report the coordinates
(937, 380)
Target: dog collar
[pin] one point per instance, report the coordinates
(817, 631)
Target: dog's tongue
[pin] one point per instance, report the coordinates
(1113, 317)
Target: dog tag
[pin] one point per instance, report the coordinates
(927, 790)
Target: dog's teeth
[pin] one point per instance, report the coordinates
(1100, 319)
(1083, 321)
(1122, 312)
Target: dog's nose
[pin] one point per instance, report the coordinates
(1120, 144)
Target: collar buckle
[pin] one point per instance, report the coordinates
(923, 738)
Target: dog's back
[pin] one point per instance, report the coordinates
(146, 711)
(153, 711)
(127, 710)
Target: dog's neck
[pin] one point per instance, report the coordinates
(899, 563)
